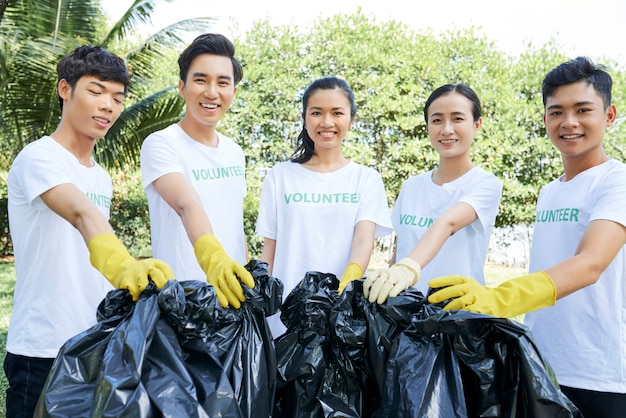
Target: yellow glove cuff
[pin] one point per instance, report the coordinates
(205, 247)
(109, 256)
(352, 272)
(413, 265)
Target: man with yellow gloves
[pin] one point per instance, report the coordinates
(194, 176)
(59, 202)
(578, 254)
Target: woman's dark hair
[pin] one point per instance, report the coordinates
(573, 71)
(209, 43)
(304, 144)
(95, 61)
(460, 88)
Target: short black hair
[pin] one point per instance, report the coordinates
(209, 43)
(89, 60)
(573, 71)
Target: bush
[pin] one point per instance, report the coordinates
(130, 218)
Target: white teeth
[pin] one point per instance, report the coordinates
(448, 141)
(209, 105)
(101, 120)
(571, 136)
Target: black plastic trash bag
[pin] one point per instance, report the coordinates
(322, 360)
(174, 353)
(463, 364)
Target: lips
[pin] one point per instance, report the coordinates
(104, 122)
(327, 134)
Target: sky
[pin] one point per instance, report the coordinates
(594, 28)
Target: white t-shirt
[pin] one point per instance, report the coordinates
(312, 217)
(57, 291)
(217, 173)
(421, 202)
(584, 335)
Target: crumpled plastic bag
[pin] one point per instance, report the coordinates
(464, 364)
(175, 352)
(343, 356)
(322, 364)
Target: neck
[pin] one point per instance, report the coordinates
(206, 135)
(326, 162)
(449, 171)
(573, 166)
(80, 147)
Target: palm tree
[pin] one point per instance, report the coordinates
(35, 34)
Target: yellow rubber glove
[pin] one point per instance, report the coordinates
(352, 272)
(111, 258)
(511, 298)
(382, 283)
(222, 271)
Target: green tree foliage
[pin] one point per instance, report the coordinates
(392, 70)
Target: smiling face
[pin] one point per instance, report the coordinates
(327, 118)
(91, 108)
(208, 92)
(451, 125)
(575, 120)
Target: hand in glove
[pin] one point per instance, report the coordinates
(382, 283)
(511, 298)
(223, 273)
(352, 272)
(111, 258)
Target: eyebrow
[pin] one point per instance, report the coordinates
(333, 108)
(103, 87)
(578, 104)
(201, 74)
(458, 112)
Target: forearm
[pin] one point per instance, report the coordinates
(362, 244)
(431, 243)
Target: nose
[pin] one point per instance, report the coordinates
(570, 119)
(107, 103)
(211, 90)
(327, 120)
(447, 128)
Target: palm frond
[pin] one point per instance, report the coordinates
(139, 12)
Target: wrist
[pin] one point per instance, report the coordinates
(412, 265)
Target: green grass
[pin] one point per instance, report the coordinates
(494, 275)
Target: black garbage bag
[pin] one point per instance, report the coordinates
(323, 370)
(463, 364)
(175, 352)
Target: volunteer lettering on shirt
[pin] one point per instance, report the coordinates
(558, 215)
(99, 199)
(217, 172)
(413, 220)
(321, 198)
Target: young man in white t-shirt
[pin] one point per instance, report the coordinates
(195, 177)
(59, 201)
(578, 254)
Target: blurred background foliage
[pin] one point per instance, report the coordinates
(391, 68)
